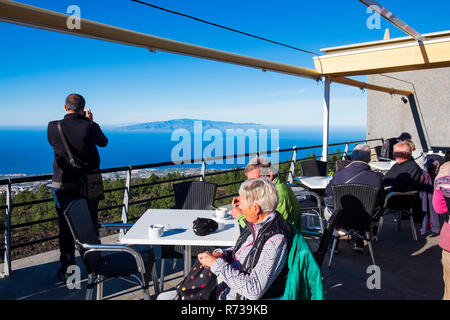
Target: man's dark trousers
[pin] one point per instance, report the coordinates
(62, 199)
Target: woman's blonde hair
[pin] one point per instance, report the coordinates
(260, 191)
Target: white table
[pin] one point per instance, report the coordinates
(316, 182)
(382, 165)
(183, 221)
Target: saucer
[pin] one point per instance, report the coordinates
(227, 216)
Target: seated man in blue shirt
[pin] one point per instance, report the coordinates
(357, 172)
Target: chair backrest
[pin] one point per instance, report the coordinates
(357, 205)
(378, 150)
(311, 168)
(194, 195)
(341, 164)
(401, 200)
(83, 230)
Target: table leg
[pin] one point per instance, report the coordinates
(187, 260)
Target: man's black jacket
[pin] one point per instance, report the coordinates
(83, 137)
(403, 177)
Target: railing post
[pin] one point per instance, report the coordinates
(292, 169)
(126, 200)
(345, 152)
(7, 256)
(203, 171)
(326, 118)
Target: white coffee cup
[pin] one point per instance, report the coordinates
(221, 212)
(156, 231)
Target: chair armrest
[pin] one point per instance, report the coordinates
(90, 248)
(116, 225)
(111, 226)
(309, 193)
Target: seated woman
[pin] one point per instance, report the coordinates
(255, 268)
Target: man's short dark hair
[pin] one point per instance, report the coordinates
(75, 102)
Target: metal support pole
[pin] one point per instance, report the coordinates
(203, 171)
(292, 169)
(7, 257)
(345, 152)
(326, 118)
(126, 201)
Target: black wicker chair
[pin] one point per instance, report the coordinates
(104, 262)
(358, 208)
(402, 203)
(311, 168)
(341, 164)
(196, 195)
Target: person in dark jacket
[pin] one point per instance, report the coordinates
(83, 136)
(357, 172)
(405, 174)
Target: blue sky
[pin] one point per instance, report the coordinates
(125, 85)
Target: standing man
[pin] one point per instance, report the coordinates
(83, 136)
(288, 205)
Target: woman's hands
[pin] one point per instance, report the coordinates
(207, 258)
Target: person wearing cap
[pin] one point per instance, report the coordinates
(288, 205)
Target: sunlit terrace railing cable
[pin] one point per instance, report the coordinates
(224, 27)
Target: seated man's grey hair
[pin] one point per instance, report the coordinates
(260, 191)
(264, 165)
(75, 102)
(403, 149)
(361, 153)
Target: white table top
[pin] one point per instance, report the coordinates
(183, 220)
(382, 165)
(316, 182)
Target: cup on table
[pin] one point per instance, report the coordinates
(156, 231)
(221, 213)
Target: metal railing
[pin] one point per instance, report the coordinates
(126, 203)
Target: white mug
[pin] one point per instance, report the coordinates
(221, 212)
(156, 231)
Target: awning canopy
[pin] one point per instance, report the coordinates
(393, 55)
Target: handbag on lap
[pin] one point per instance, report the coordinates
(199, 284)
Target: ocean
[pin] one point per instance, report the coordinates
(26, 151)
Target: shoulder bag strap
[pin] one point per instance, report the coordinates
(66, 146)
(360, 173)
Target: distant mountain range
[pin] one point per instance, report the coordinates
(188, 124)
